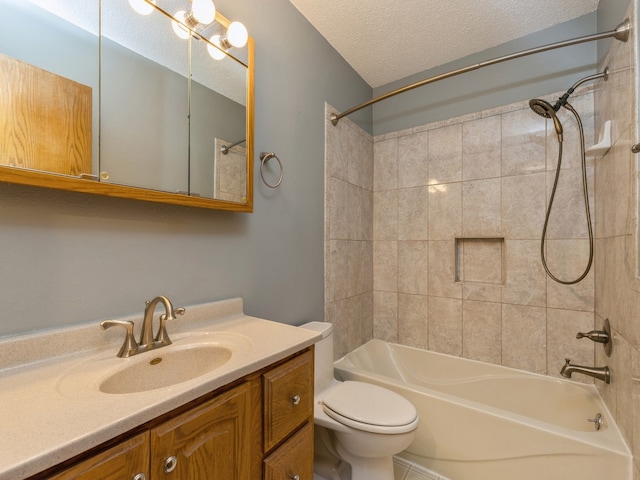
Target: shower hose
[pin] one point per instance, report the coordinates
(585, 192)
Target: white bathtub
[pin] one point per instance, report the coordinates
(480, 421)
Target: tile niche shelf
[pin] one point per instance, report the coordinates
(480, 260)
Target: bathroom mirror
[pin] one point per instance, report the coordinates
(139, 112)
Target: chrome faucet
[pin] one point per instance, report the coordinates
(601, 373)
(147, 340)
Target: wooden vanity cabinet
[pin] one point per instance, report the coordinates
(260, 429)
(127, 460)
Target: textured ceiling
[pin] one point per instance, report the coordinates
(386, 40)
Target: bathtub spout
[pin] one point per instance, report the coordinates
(601, 373)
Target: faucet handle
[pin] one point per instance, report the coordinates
(597, 336)
(129, 347)
(162, 336)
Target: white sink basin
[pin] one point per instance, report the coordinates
(164, 367)
(190, 356)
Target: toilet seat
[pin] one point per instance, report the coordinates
(369, 408)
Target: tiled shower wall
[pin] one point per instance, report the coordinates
(458, 209)
(617, 293)
(348, 234)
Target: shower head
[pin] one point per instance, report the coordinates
(546, 110)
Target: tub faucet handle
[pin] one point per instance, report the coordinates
(597, 336)
(600, 336)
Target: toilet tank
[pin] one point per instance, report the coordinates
(323, 359)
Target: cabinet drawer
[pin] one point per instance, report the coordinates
(288, 398)
(294, 459)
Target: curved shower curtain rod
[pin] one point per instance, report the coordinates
(621, 33)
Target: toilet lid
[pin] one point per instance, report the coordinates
(368, 407)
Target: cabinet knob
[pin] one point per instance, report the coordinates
(294, 477)
(295, 399)
(140, 476)
(170, 464)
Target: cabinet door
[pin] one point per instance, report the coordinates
(293, 459)
(124, 461)
(210, 442)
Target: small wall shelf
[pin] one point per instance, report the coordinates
(480, 260)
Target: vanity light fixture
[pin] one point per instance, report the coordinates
(202, 12)
(236, 36)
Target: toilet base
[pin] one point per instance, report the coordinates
(367, 468)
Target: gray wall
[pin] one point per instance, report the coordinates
(70, 258)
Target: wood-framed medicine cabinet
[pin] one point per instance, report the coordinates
(96, 98)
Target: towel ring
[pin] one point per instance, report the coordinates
(264, 158)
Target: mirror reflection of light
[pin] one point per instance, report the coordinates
(204, 11)
(237, 34)
(178, 29)
(142, 7)
(215, 53)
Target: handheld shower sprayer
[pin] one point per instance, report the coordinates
(546, 110)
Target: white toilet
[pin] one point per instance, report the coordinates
(364, 424)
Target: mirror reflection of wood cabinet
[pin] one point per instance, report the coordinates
(167, 156)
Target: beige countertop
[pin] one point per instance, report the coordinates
(51, 408)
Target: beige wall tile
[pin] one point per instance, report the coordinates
(567, 261)
(413, 213)
(442, 279)
(336, 150)
(385, 266)
(523, 143)
(525, 279)
(482, 292)
(337, 222)
(385, 165)
(445, 211)
(359, 213)
(337, 313)
(385, 215)
(524, 337)
(523, 206)
(385, 316)
(482, 208)
(445, 154)
(413, 160)
(445, 325)
(481, 148)
(413, 320)
(359, 267)
(360, 159)
(482, 331)
(413, 271)
(337, 270)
